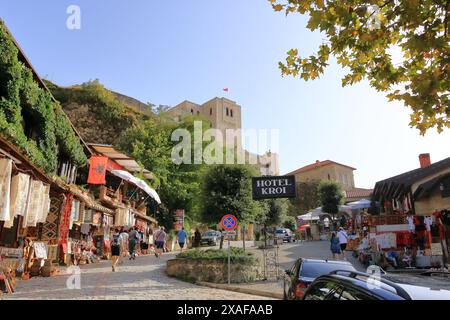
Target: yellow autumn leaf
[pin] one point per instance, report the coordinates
(278, 7)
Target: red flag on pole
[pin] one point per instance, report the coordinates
(225, 89)
(97, 170)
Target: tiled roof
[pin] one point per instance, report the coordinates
(358, 193)
(316, 165)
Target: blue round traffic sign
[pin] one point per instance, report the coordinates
(228, 222)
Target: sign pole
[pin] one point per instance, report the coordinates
(229, 260)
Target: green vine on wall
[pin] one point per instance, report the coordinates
(21, 100)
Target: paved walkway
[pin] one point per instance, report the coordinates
(142, 279)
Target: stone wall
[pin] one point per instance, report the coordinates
(216, 271)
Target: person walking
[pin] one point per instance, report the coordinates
(160, 239)
(335, 246)
(197, 238)
(115, 249)
(133, 238)
(181, 238)
(123, 244)
(343, 237)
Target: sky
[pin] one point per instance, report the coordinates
(169, 51)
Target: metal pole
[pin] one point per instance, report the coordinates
(229, 260)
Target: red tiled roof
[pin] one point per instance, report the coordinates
(358, 193)
(316, 165)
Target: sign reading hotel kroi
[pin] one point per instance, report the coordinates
(273, 187)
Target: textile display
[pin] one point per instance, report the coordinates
(34, 203)
(88, 216)
(50, 227)
(5, 188)
(75, 213)
(97, 170)
(387, 240)
(45, 204)
(97, 219)
(20, 184)
(85, 228)
(35, 209)
(65, 219)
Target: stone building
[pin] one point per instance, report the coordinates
(223, 114)
(331, 170)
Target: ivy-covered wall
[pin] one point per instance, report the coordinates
(21, 98)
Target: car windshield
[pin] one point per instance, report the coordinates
(317, 269)
(209, 234)
(280, 231)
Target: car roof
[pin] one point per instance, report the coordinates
(425, 293)
(308, 260)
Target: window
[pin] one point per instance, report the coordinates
(231, 113)
(351, 294)
(210, 111)
(228, 112)
(198, 112)
(317, 269)
(329, 178)
(192, 111)
(321, 290)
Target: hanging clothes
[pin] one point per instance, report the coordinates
(20, 185)
(45, 205)
(34, 207)
(5, 188)
(85, 228)
(411, 225)
(428, 221)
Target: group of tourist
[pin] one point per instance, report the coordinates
(339, 243)
(124, 243)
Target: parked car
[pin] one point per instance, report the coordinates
(305, 271)
(284, 234)
(210, 237)
(352, 285)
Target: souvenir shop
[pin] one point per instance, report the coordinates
(403, 241)
(85, 230)
(24, 207)
(145, 226)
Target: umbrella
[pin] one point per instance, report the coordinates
(308, 217)
(151, 192)
(360, 204)
(303, 227)
(124, 175)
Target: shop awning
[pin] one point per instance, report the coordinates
(128, 163)
(303, 227)
(138, 182)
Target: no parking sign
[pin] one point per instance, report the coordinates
(228, 222)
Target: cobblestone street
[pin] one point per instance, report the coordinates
(141, 279)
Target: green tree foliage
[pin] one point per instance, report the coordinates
(365, 36)
(178, 185)
(100, 101)
(227, 189)
(275, 212)
(331, 196)
(29, 117)
(290, 223)
(307, 197)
